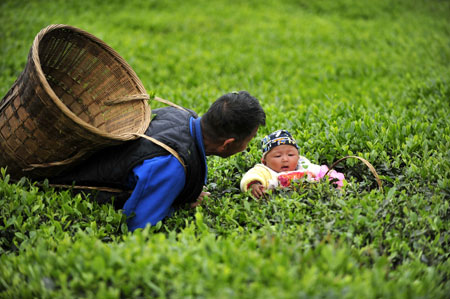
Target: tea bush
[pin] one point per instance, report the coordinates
(365, 78)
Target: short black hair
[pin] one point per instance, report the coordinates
(233, 115)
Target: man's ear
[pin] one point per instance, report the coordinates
(226, 143)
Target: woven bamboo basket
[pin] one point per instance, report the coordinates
(75, 96)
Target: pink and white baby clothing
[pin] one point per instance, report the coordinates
(271, 179)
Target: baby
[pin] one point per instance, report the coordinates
(282, 164)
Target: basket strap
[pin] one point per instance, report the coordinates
(105, 189)
(98, 188)
(372, 169)
(165, 146)
(59, 163)
(140, 97)
(82, 153)
(169, 103)
(108, 189)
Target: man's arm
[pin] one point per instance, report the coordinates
(158, 182)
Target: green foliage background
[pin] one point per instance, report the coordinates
(366, 78)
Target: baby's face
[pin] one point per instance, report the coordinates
(282, 158)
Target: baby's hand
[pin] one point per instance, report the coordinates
(257, 189)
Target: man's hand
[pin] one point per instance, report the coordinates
(200, 199)
(257, 189)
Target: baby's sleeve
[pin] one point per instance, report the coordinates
(257, 173)
(317, 172)
(311, 168)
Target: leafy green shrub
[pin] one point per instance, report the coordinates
(195, 262)
(29, 213)
(365, 78)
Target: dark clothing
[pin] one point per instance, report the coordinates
(112, 166)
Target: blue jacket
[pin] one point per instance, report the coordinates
(157, 182)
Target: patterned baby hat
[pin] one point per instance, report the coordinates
(280, 137)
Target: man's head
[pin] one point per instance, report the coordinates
(280, 151)
(230, 123)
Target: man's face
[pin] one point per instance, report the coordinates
(236, 147)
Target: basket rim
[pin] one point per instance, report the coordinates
(63, 107)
